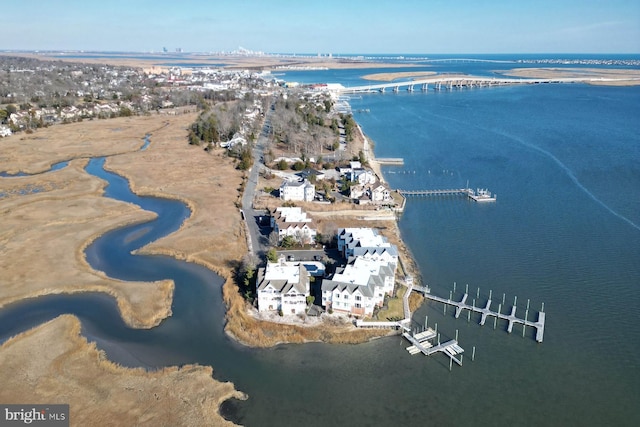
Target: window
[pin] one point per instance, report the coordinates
(358, 305)
(358, 298)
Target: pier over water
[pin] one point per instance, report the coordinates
(486, 311)
(479, 195)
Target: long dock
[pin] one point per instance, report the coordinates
(486, 311)
(479, 195)
(395, 161)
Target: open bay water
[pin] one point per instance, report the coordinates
(560, 158)
(564, 161)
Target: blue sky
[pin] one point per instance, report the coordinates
(328, 26)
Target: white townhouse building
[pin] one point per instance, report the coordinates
(351, 238)
(293, 221)
(359, 287)
(302, 191)
(281, 286)
(369, 275)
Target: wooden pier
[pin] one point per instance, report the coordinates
(394, 161)
(401, 324)
(479, 195)
(420, 344)
(486, 311)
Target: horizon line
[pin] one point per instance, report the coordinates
(314, 54)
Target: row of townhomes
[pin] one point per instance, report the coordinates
(361, 285)
(356, 288)
(294, 222)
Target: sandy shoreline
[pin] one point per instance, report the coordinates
(389, 77)
(607, 76)
(600, 76)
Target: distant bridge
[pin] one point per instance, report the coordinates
(453, 82)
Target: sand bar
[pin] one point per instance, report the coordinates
(389, 77)
(611, 77)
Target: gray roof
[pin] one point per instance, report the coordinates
(330, 285)
(368, 290)
(294, 183)
(284, 286)
(361, 251)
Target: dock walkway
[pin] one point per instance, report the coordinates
(479, 195)
(486, 312)
(420, 344)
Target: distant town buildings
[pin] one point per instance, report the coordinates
(68, 92)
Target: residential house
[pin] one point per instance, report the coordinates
(69, 113)
(362, 176)
(376, 194)
(380, 194)
(308, 173)
(20, 118)
(292, 221)
(284, 287)
(237, 139)
(297, 191)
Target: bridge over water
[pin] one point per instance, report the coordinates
(451, 82)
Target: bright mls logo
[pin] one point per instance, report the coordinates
(37, 415)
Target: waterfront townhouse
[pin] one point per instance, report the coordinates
(388, 254)
(302, 191)
(359, 287)
(351, 238)
(294, 222)
(282, 287)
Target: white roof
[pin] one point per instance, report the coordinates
(367, 237)
(293, 214)
(277, 271)
(359, 271)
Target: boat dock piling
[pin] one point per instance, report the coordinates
(486, 311)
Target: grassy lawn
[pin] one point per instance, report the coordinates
(395, 311)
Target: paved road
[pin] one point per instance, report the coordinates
(259, 238)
